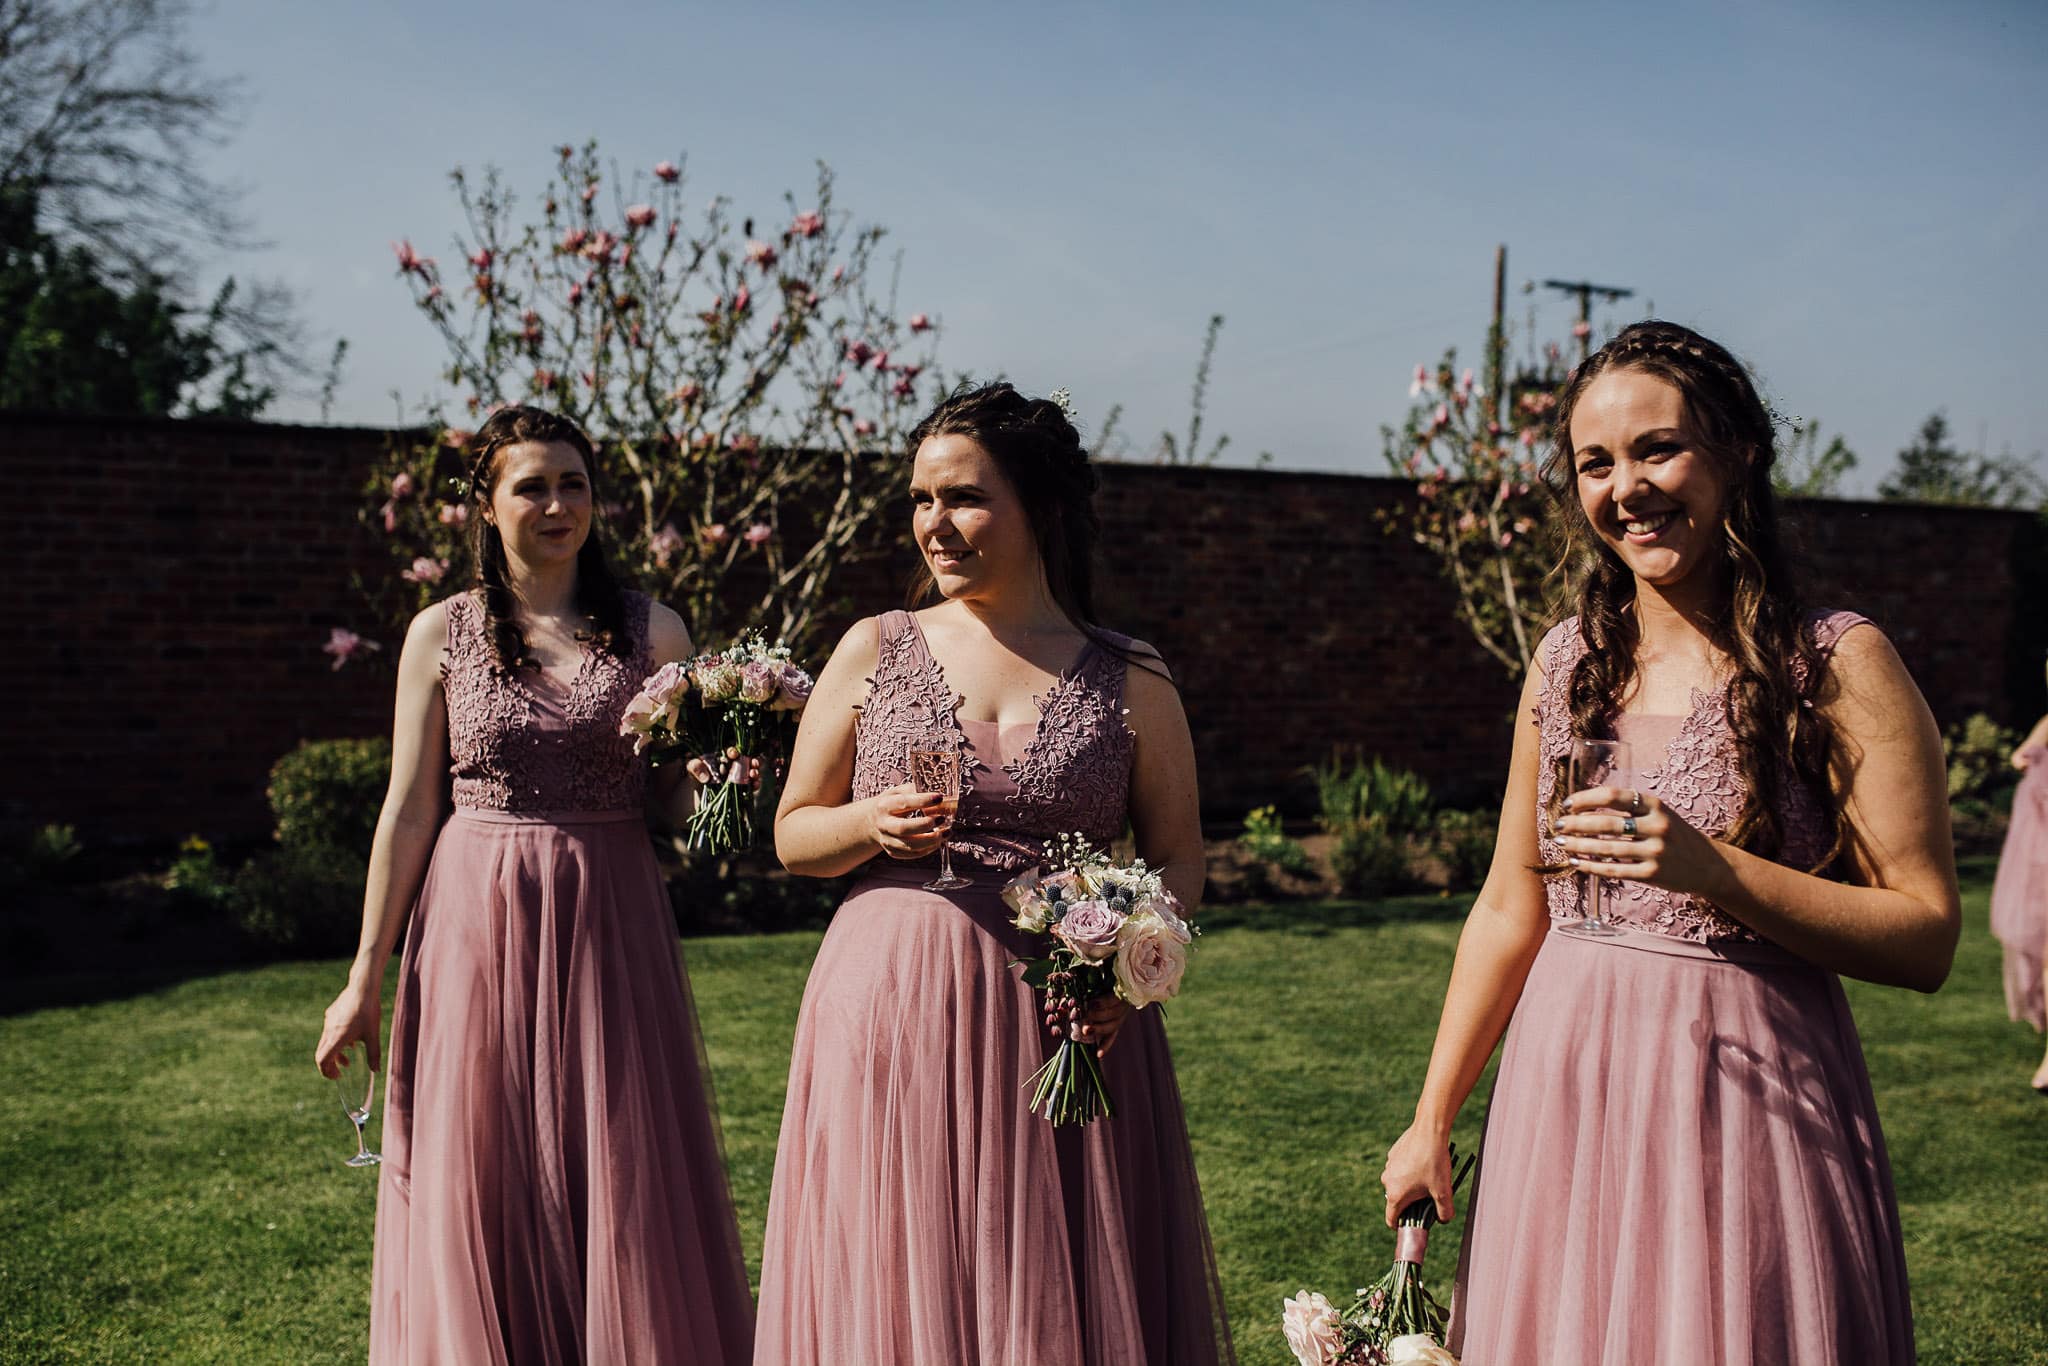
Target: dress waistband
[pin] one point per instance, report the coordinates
(1743, 952)
(488, 817)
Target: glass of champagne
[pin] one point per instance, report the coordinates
(938, 770)
(1595, 763)
(357, 1084)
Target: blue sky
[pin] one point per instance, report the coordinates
(1851, 196)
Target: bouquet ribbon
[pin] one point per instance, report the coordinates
(1410, 1243)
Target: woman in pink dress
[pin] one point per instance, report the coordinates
(2019, 895)
(552, 1189)
(1682, 1160)
(920, 1213)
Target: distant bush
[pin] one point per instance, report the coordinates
(329, 792)
(1463, 843)
(1352, 793)
(1369, 860)
(305, 898)
(1979, 759)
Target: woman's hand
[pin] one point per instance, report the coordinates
(1418, 1165)
(2028, 752)
(733, 768)
(901, 823)
(1624, 833)
(353, 1018)
(1098, 1021)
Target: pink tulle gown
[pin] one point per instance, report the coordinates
(1682, 1160)
(552, 1189)
(2019, 896)
(921, 1216)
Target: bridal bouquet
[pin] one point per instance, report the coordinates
(1109, 929)
(738, 704)
(1395, 1321)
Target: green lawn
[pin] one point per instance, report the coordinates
(171, 1186)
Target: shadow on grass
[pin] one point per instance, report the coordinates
(1315, 918)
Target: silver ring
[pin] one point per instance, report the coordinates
(1628, 827)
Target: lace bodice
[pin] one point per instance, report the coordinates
(1073, 776)
(1696, 773)
(532, 742)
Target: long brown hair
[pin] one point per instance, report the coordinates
(1762, 624)
(598, 594)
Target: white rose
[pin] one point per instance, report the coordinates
(1314, 1332)
(1150, 960)
(1167, 908)
(1418, 1349)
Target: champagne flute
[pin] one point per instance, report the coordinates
(357, 1084)
(938, 770)
(1595, 763)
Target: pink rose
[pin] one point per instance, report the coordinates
(402, 485)
(759, 253)
(807, 224)
(1089, 929)
(796, 690)
(1168, 908)
(642, 717)
(667, 172)
(920, 322)
(1418, 1349)
(759, 534)
(1151, 958)
(759, 680)
(454, 514)
(1314, 1332)
(640, 215)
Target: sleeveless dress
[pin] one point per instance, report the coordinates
(921, 1215)
(1682, 1161)
(2019, 895)
(552, 1188)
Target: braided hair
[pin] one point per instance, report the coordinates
(1761, 624)
(598, 594)
(1038, 450)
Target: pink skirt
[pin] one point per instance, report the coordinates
(921, 1214)
(553, 1189)
(1682, 1163)
(2019, 896)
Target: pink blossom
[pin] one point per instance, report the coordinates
(881, 361)
(839, 380)
(759, 533)
(410, 260)
(1551, 351)
(545, 380)
(1465, 380)
(759, 253)
(910, 371)
(1528, 437)
(389, 512)
(667, 172)
(574, 238)
(687, 392)
(425, 570)
(1582, 330)
(1420, 383)
(919, 322)
(717, 533)
(859, 352)
(345, 645)
(1443, 415)
(575, 295)
(590, 192)
(666, 544)
(1468, 523)
(481, 258)
(454, 514)
(807, 224)
(640, 215)
(433, 294)
(1507, 538)
(838, 274)
(590, 379)
(743, 443)
(455, 438)
(402, 485)
(903, 388)
(863, 427)
(741, 300)
(600, 247)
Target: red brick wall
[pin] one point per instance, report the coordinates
(176, 580)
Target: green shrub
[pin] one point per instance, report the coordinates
(1370, 860)
(50, 854)
(197, 878)
(1979, 759)
(1464, 844)
(1353, 792)
(328, 792)
(1264, 842)
(306, 897)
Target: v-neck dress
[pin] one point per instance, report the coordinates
(920, 1213)
(1682, 1160)
(553, 1189)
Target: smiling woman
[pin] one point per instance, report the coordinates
(1682, 1158)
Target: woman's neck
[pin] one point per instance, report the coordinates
(1007, 616)
(544, 594)
(1677, 619)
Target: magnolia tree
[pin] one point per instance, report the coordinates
(749, 388)
(1480, 507)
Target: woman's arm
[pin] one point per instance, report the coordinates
(1165, 807)
(819, 830)
(671, 789)
(414, 806)
(1898, 921)
(2036, 738)
(1500, 940)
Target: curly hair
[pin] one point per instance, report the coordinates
(599, 596)
(1762, 624)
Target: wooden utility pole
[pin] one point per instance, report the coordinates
(1497, 338)
(1585, 290)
